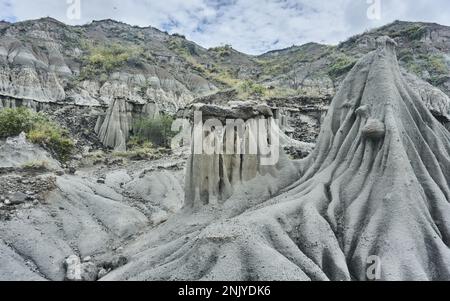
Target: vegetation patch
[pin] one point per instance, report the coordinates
(157, 131)
(141, 150)
(39, 130)
(104, 59)
(36, 165)
(406, 55)
(222, 51)
(340, 65)
(15, 121)
(415, 32)
(250, 88)
(436, 64)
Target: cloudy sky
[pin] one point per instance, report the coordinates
(251, 26)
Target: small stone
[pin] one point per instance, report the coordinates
(363, 111)
(77, 271)
(374, 129)
(27, 206)
(73, 268)
(87, 259)
(119, 261)
(18, 198)
(89, 272)
(115, 263)
(59, 173)
(102, 273)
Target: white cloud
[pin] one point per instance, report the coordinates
(6, 13)
(251, 26)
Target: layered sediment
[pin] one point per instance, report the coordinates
(376, 186)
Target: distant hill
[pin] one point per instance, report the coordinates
(48, 61)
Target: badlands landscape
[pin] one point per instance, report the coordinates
(95, 183)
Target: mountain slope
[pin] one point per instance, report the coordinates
(47, 60)
(377, 184)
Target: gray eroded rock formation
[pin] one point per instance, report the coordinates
(81, 217)
(42, 60)
(435, 100)
(80, 271)
(16, 152)
(114, 128)
(357, 196)
(225, 156)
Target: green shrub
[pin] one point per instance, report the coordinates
(15, 121)
(102, 60)
(225, 77)
(53, 138)
(39, 130)
(414, 68)
(340, 65)
(415, 32)
(182, 47)
(222, 51)
(437, 65)
(249, 87)
(137, 149)
(155, 130)
(36, 165)
(406, 55)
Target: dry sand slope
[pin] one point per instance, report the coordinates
(376, 184)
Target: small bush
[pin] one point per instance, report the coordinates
(251, 88)
(36, 165)
(222, 51)
(53, 138)
(341, 65)
(226, 78)
(102, 60)
(413, 67)
(155, 130)
(138, 150)
(15, 121)
(415, 32)
(406, 55)
(39, 130)
(437, 65)
(182, 47)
